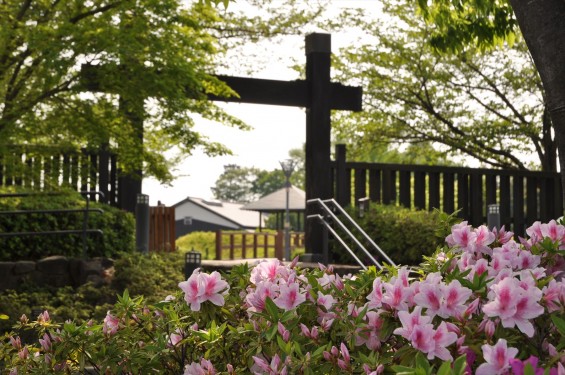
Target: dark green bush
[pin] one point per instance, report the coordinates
(117, 225)
(153, 276)
(404, 235)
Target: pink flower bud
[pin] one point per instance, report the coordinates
(24, 353)
(16, 342)
(327, 356)
(334, 351)
(453, 328)
(314, 333)
(490, 327)
(293, 263)
(230, 369)
(24, 319)
(345, 352)
(342, 365)
(472, 308)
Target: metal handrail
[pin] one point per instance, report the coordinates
(354, 223)
(84, 231)
(337, 237)
(323, 204)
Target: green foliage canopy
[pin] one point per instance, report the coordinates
(488, 106)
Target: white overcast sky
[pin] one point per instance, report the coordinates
(276, 130)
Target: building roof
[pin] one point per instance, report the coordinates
(227, 210)
(276, 201)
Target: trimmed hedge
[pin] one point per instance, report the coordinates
(117, 225)
(405, 235)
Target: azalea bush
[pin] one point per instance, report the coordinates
(484, 304)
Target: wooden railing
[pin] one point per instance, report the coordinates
(523, 196)
(244, 245)
(42, 168)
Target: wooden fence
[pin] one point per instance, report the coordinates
(41, 168)
(243, 245)
(162, 229)
(523, 196)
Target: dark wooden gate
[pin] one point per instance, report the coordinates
(162, 229)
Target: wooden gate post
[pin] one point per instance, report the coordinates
(279, 240)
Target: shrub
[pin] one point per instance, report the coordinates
(203, 242)
(117, 226)
(404, 235)
(152, 276)
(485, 305)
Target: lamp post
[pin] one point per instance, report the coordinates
(287, 167)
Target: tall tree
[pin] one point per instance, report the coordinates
(157, 58)
(487, 106)
(487, 23)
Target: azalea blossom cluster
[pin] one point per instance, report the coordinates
(486, 303)
(201, 287)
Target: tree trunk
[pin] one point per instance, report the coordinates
(543, 25)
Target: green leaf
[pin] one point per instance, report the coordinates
(445, 369)
(422, 362)
(459, 365)
(272, 309)
(559, 323)
(528, 369)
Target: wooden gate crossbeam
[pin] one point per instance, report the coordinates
(317, 94)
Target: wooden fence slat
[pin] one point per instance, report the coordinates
(504, 190)
(375, 185)
(434, 192)
(405, 188)
(448, 193)
(518, 205)
(476, 203)
(420, 190)
(531, 200)
(360, 185)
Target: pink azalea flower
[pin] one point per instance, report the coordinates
(396, 295)
(497, 358)
(554, 295)
(514, 305)
(190, 288)
(376, 296)
(46, 342)
(370, 335)
(111, 324)
(422, 338)
(553, 230)
(175, 337)
(409, 321)
(256, 298)
(502, 236)
(429, 297)
(462, 237)
(210, 286)
(442, 338)
(535, 232)
(484, 237)
(201, 287)
(325, 300)
(205, 367)
(268, 270)
(265, 368)
(454, 297)
(289, 297)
